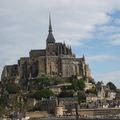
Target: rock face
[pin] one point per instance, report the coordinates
(56, 60)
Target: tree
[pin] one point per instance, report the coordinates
(111, 86)
(66, 94)
(4, 99)
(44, 93)
(43, 81)
(2, 110)
(78, 84)
(37, 107)
(81, 96)
(12, 88)
(39, 83)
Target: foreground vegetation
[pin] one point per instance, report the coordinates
(15, 98)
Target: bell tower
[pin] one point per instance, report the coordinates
(50, 41)
(50, 38)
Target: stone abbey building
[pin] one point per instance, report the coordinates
(56, 60)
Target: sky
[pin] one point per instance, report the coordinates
(91, 27)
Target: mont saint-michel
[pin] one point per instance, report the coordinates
(52, 83)
(56, 60)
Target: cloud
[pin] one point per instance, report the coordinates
(110, 32)
(73, 17)
(109, 29)
(117, 21)
(24, 24)
(115, 39)
(113, 76)
(116, 42)
(100, 58)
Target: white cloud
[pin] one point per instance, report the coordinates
(117, 21)
(78, 17)
(24, 23)
(109, 29)
(113, 76)
(116, 42)
(110, 34)
(100, 58)
(115, 39)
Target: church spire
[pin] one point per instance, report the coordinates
(50, 26)
(50, 38)
(83, 57)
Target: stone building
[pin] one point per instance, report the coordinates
(57, 59)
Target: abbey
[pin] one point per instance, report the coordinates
(56, 60)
